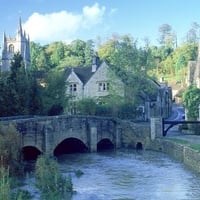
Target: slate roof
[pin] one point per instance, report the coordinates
(83, 73)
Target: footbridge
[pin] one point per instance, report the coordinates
(54, 134)
(171, 123)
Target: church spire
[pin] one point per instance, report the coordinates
(20, 27)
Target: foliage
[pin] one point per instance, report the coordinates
(191, 99)
(21, 195)
(18, 90)
(6, 190)
(86, 106)
(4, 184)
(167, 36)
(127, 110)
(38, 57)
(50, 180)
(130, 65)
(54, 98)
(192, 35)
(19, 87)
(59, 55)
(10, 146)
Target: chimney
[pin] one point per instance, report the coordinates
(95, 63)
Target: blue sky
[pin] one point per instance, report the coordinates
(65, 20)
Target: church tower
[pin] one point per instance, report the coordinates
(21, 44)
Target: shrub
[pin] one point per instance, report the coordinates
(86, 106)
(10, 146)
(4, 184)
(50, 180)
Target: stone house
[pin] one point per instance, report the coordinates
(98, 81)
(92, 82)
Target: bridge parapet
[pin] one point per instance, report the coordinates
(46, 133)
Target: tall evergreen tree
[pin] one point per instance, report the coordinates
(18, 85)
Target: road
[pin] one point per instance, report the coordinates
(178, 113)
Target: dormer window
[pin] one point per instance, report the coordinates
(11, 48)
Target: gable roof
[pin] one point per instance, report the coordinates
(83, 73)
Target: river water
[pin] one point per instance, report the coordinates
(129, 175)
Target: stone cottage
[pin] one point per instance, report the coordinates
(98, 81)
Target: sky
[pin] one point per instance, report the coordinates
(47, 21)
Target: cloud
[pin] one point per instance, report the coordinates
(63, 25)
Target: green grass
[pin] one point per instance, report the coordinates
(195, 146)
(184, 142)
(180, 141)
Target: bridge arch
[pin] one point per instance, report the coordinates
(70, 145)
(30, 152)
(139, 146)
(105, 144)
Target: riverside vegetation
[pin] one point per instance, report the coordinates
(49, 180)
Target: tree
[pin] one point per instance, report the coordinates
(192, 35)
(128, 63)
(121, 52)
(191, 99)
(54, 99)
(167, 36)
(19, 87)
(38, 57)
(50, 181)
(10, 153)
(55, 53)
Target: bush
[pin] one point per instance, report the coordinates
(86, 106)
(104, 110)
(4, 184)
(10, 149)
(49, 180)
(6, 190)
(127, 111)
(195, 128)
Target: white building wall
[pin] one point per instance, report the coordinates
(91, 89)
(73, 79)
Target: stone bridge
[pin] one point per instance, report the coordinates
(55, 134)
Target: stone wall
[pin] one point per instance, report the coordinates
(135, 133)
(46, 133)
(180, 152)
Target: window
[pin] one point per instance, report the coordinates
(11, 48)
(103, 86)
(73, 88)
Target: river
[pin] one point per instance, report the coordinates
(129, 175)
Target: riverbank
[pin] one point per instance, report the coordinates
(184, 148)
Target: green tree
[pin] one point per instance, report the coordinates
(49, 180)
(35, 95)
(54, 97)
(18, 85)
(39, 59)
(191, 99)
(167, 36)
(55, 53)
(86, 106)
(130, 64)
(192, 35)
(10, 149)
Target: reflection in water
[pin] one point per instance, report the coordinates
(130, 175)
